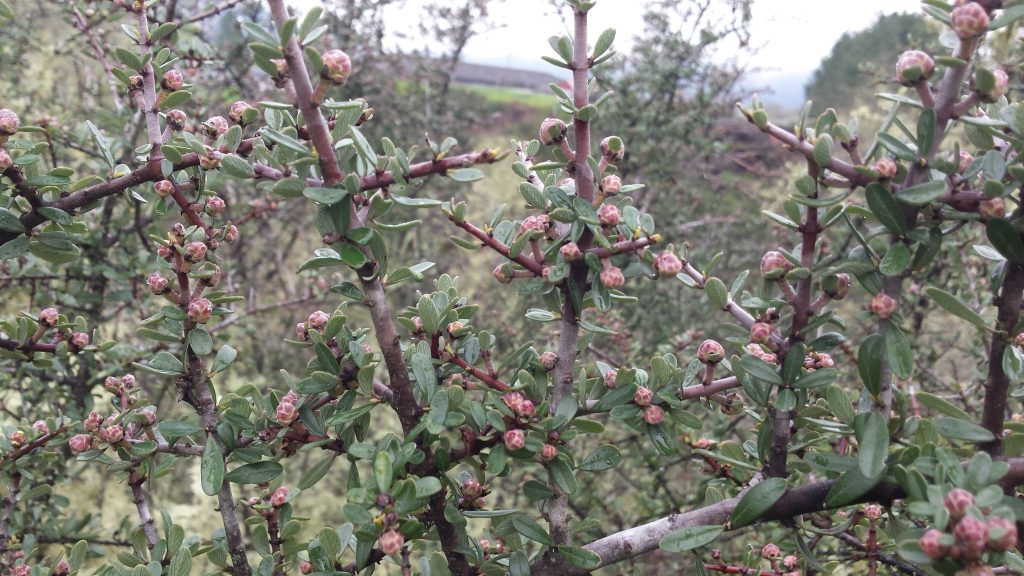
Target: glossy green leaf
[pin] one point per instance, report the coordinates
(869, 362)
(530, 529)
(898, 352)
(1005, 238)
(256, 472)
(873, 444)
(954, 306)
(886, 209)
(758, 500)
(211, 467)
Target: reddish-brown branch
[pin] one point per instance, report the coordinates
(743, 570)
(805, 148)
(190, 214)
(625, 247)
(430, 167)
(997, 384)
(135, 481)
(499, 247)
(27, 346)
(480, 375)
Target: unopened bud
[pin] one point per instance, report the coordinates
(199, 310)
(9, 122)
(552, 131)
(914, 66)
(176, 120)
(643, 396)
(514, 439)
(882, 305)
(667, 264)
(836, 286)
(231, 234)
(40, 427)
(80, 443)
(611, 185)
(471, 489)
(992, 208)
(502, 273)
(931, 544)
(279, 497)
(17, 438)
(972, 536)
(770, 551)
(286, 413)
(112, 434)
(653, 415)
(391, 542)
(93, 422)
(774, 265)
(760, 332)
(239, 112)
(609, 215)
(548, 360)
(216, 127)
(710, 352)
(215, 206)
(886, 168)
(5, 160)
(337, 66)
(317, 320)
(61, 568)
(79, 340)
(173, 80)
(957, 501)
(609, 378)
(969, 20)
(571, 252)
(613, 149)
(612, 277)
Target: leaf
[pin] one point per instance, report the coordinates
(869, 362)
(326, 196)
(896, 260)
(5, 10)
(466, 175)
(604, 458)
(9, 221)
(580, 557)
(690, 538)
(898, 351)
(873, 444)
(926, 130)
(255, 473)
(717, 292)
(530, 529)
(427, 486)
(211, 469)
(177, 429)
(563, 476)
(820, 377)
(886, 209)
(757, 368)
(181, 564)
(363, 146)
(1005, 238)
(225, 356)
(922, 193)
(850, 486)
(14, 248)
(954, 306)
(200, 341)
(758, 500)
(961, 430)
(235, 166)
(942, 406)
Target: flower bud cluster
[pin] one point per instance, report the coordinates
(969, 534)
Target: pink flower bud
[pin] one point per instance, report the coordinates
(209, 161)
(653, 415)
(972, 536)
(873, 511)
(667, 264)
(49, 317)
(790, 562)
(1002, 534)
(279, 497)
(969, 20)
(548, 453)
(609, 378)
(238, 110)
(216, 127)
(710, 352)
(112, 434)
(305, 567)
(301, 332)
(61, 568)
(318, 319)
(608, 215)
(21, 570)
(391, 542)
(957, 501)
(758, 352)
(760, 332)
(611, 185)
(526, 409)
(770, 551)
(882, 305)
(502, 273)
(93, 421)
(548, 360)
(992, 208)
(79, 340)
(40, 427)
(128, 381)
(538, 223)
(455, 326)
(17, 438)
(157, 283)
(286, 413)
(231, 234)
(774, 265)
(195, 251)
(914, 66)
(5, 160)
(612, 277)
(199, 310)
(886, 168)
(513, 400)
(643, 396)
(613, 149)
(176, 120)
(471, 489)
(80, 443)
(147, 417)
(164, 252)
(254, 501)
(9, 122)
(931, 544)
(173, 80)
(215, 206)
(515, 440)
(571, 252)
(1002, 84)
(337, 66)
(552, 131)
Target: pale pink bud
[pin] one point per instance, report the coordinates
(552, 131)
(301, 332)
(760, 332)
(199, 310)
(112, 434)
(1002, 534)
(93, 421)
(886, 168)
(471, 489)
(931, 544)
(957, 501)
(286, 413)
(40, 427)
(538, 223)
(667, 264)
(613, 149)
(195, 251)
(710, 352)
(964, 162)
(972, 536)
(515, 440)
(882, 305)
(305, 567)
(873, 511)
(337, 66)
(770, 551)
(790, 562)
(836, 286)
(128, 381)
(79, 340)
(571, 252)
(612, 277)
(61, 568)
(9, 122)
(611, 185)
(5, 160)
(173, 80)
(502, 273)
(157, 283)
(215, 206)
(774, 265)
(49, 317)
(279, 497)
(969, 20)
(653, 415)
(513, 400)
(992, 208)
(913, 67)
(238, 111)
(548, 452)
(643, 396)
(548, 360)
(609, 215)
(80, 443)
(318, 319)
(391, 542)
(176, 120)
(455, 326)
(147, 417)
(21, 570)
(17, 438)
(609, 378)
(164, 252)
(216, 127)
(231, 234)
(526, 409)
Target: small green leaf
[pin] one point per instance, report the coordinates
(898, 352)
(869, 362)
(326, 196)
(758, 500)
(255, 473)
(1005, 238)
(530, 529)
(886, 209)
(580, 557)
(896, 260)
(211, 467)
(922, 193)
(604, 458)
(316, 473)
(850, 486)
(962, 430)
(225, 356)
(954, 306)
(873, 443)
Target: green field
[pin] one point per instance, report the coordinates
(542, 102)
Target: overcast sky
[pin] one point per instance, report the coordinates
(792, 36)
